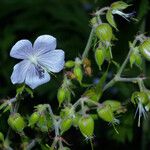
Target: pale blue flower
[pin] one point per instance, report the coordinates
(37, 61)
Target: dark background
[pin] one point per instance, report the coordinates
(68, 21)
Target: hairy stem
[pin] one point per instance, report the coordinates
(88, 46)
(118, 75)
(89, 42)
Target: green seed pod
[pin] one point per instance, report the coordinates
(119, 5)
(115, 105)
(78, 73)
(86, 126)
(138, 60)
(34, 118)
(16, 122)
(145, 49)
(42, 123)
(67, 112)
(61, 95)
(69, 64)
(65, 125)
(75, 120)
(99, 57)
(93, 95)
(140, 97)
(106, 113)
(104, 32)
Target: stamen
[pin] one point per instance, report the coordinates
(39, 71)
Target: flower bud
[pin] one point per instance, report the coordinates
(65, 125)
(86, 126)
(106, 113)
(145, 49)
(61, 95)
(78, 73)
(93, 22)
(69, 64)
(16, 122)
(115, 105)
(99, 57)
(104, 32)
(34, 118)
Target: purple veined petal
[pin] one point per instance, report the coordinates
(19, 72)
(36, 76)
(53, 61)
(44, 44)
(22, 49)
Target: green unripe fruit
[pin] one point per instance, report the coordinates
(67, 112)
(43, 123)
(86, 126)
(99, 57)
(61, 95)
(106, 113)
(104, 32)
(145, 49)
(69, 64)
(65, 125)
(34, 118)
(78, 73)
(115, 105)
(140, 97)
(76, 119)
(16, 122)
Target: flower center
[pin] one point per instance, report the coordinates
(39, 71)
(33, 59)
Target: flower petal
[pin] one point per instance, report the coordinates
(44, 43)
(22, 49)
(19, 72)
(33, 77)
(53, 61)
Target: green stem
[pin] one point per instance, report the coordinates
(117, 76)
(88, 46)
(92, 146)
(89, 42)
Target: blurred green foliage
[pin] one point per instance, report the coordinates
(68, 21)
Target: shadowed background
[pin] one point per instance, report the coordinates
(68, 21)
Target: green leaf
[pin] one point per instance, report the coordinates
(119, 5)
(95, 92)
(1, 137)
(20, 89)
(110, 19)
